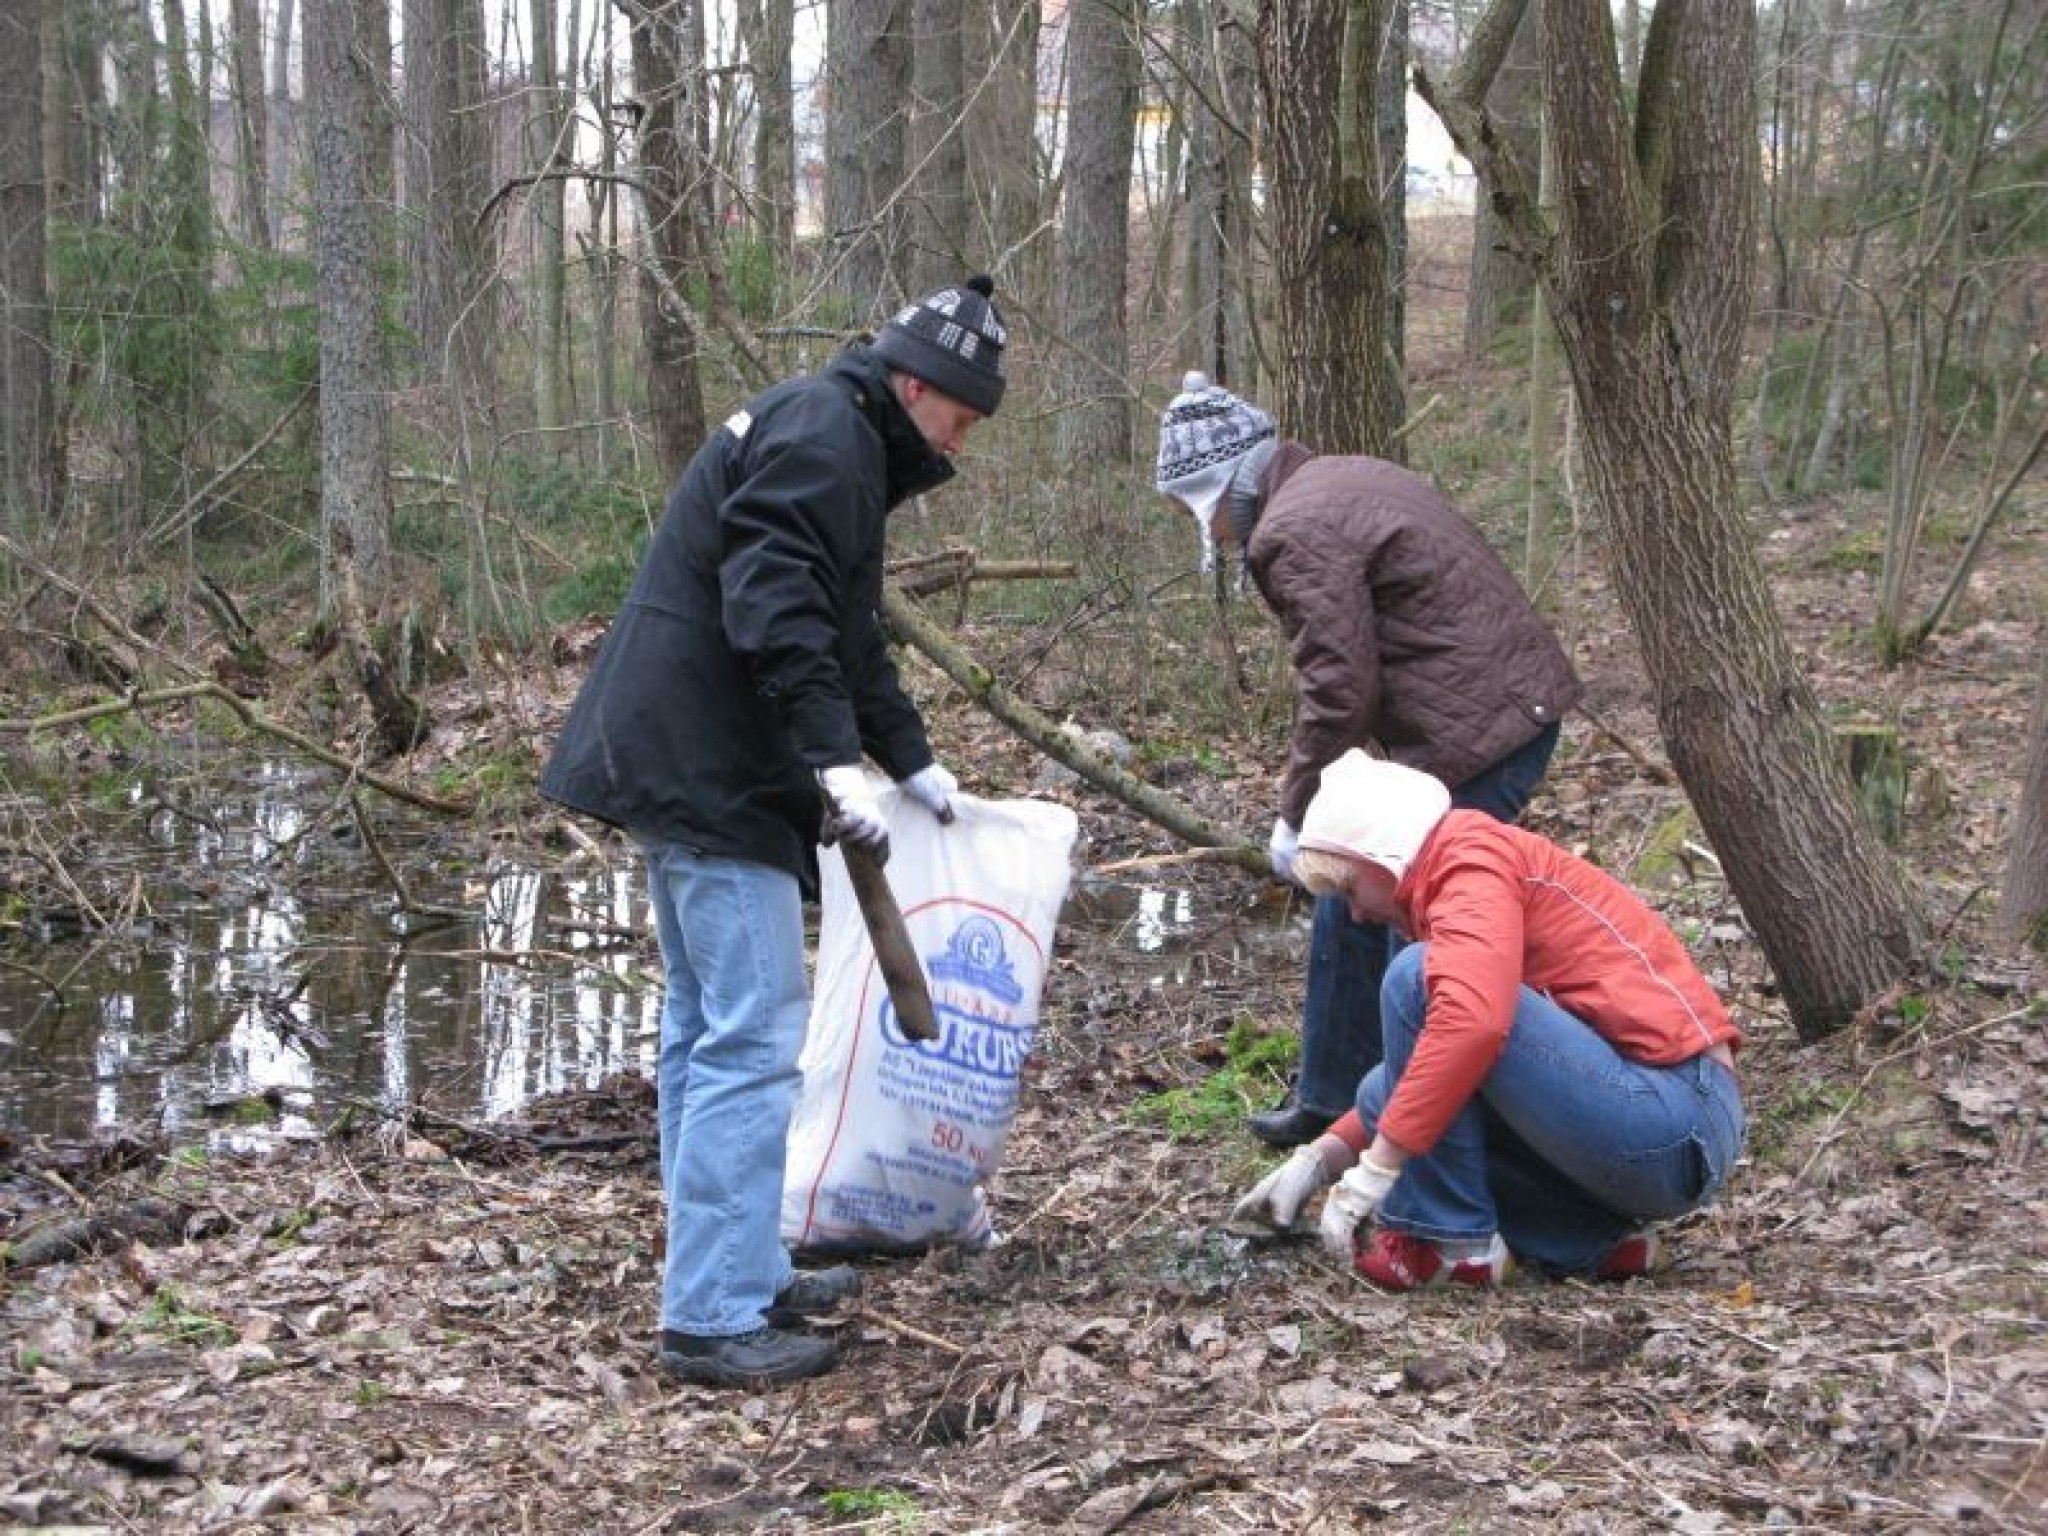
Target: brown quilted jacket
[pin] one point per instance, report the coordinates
(1405, 627)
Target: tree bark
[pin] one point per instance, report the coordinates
(2024, 904)
(665, 65)
(1647, 270)
(1389, 21)
(939, 241)
(1320, 74)
(867, 82)
(547, 122)
(1103, 73)
(1498, 292)
(284, 135)
(768, 32)
(451, 307)
(1218, 275)
(27, 401)
(1005, 170)
(347, 137)
(252, 121)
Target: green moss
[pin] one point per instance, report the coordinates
(879, 1508)
(1257, 1062)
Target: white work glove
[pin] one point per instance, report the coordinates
(1281, 848)
(852, 814)
(1354, 1200)
(933, 788)
(1276, 1200)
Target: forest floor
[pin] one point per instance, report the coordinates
(450, 1329)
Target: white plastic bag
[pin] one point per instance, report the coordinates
(893, 1139)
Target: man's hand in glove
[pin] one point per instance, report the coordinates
(933, 788)
(1276, 1201)
(852, 814)
(1282, 848)
(1354, 1200)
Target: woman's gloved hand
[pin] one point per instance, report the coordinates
(1282, 848)
(1355, 1200)
(1277, 1200)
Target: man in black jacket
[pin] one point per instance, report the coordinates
(723, 725)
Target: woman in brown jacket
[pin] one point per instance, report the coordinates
(1408, 635)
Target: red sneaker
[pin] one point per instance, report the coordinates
(1631, 1258)
(1398, 1261)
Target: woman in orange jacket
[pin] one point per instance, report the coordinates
(1558, 1074)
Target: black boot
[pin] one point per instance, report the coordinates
(1289, 1124)
(812, 1291)
(766, 1357)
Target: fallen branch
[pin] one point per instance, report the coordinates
(922, 575)
(250, 717)
(1155, 805)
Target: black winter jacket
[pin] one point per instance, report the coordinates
(749, 652)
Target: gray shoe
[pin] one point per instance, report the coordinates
(766, 1357)
(811, 1292)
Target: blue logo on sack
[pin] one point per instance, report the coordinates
(975, 957)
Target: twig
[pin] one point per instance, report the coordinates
(167, 528)
(397, 882)
(56, 992)
(1654, 771)
(1165, 861)
(918, 1335)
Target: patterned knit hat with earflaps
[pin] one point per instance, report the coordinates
(952, 339)
(1205, 431)
(1372, 809)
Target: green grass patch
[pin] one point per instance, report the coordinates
(168, 1318)
(1257, 1063)
(886, 1509)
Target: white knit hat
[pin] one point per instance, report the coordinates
(1205, 431)
(1372, 809)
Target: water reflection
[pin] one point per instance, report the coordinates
(272, 967)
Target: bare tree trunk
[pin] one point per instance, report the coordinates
(1103, 63)
(547, 122)
(1390, 135)
(27, 408)
(347, 136)
(768, 32)
(2024, 903)
(252, 121)
(867, 82)
(285, 140)
(182, 224)
(602, 250)
(451, 292)
(939, 241)
(1498, 292)
(1005, 176)
(666, 61)
(1217, 275)
(1338, 382)
(1648, 271)
(1539, 543)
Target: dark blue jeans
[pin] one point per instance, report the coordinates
(1347, 961)
(1567, 1147)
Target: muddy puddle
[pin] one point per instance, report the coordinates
(260, 979)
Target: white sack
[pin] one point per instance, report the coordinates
(893, 1140)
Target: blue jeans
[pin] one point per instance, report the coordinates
(1567, 1147)
(1340, 1015)
(732, 1025)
